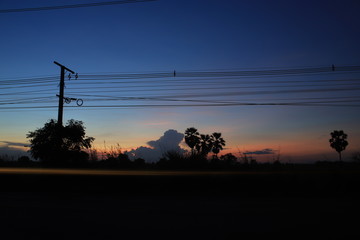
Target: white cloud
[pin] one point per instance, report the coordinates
(157, 148)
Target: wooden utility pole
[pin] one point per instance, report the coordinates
(61, 93)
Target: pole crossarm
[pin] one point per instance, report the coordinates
(62, 66)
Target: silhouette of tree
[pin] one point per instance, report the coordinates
(202, 144)
(120, 161)
(229, 159)
(217, 143)
(192, 138)
(356, 156)
(139, 162)
(338, 141)
(55, 144)
(205, 144)
(24, 161)
(175, 159)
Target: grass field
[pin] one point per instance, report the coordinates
(92, 204)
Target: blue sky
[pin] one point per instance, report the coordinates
(163, 36)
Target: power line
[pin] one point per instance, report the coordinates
(200, 74)
(180, 97)
(209, 88)
(232, 93)
(81, 5)
(183, 82)
(240, 73)
(215, 78)
(195, 87)
(25, 92)
(27, 86)
(97, 98)
(26, 81)
(320, 104)
(219, 85)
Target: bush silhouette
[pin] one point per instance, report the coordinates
(59, 145)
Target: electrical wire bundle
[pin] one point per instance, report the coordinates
(313, 86)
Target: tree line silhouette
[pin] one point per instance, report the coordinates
(55, 145)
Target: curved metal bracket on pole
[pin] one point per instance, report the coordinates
(79, 102)
(68, 100)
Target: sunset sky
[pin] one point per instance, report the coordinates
(225, 54)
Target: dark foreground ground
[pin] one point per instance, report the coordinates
(250, 205)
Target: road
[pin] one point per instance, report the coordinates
(140, 205)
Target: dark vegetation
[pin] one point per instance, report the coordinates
(57, 145)
(338, 141)
(69, 147)
(247, 200)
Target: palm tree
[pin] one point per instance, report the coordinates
(338, 141)
(192, 138)
(205, 145)
(217, 143)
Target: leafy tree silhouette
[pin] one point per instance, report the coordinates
(229, 159)
(205, 144)
(192, 138)
(217, 143)
(338, 141)
(356, 156)
(139, 162)
(59, 145)
(202, 144)
(121, 161)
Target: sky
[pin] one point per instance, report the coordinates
(149, 70)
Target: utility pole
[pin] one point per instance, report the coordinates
(61, 93)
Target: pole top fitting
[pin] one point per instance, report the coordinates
(63, 67)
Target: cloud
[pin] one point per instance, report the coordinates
(261, 152)
(170, 140)
(9, 153)
(157, 148)
(17, 144)
(12, 150)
